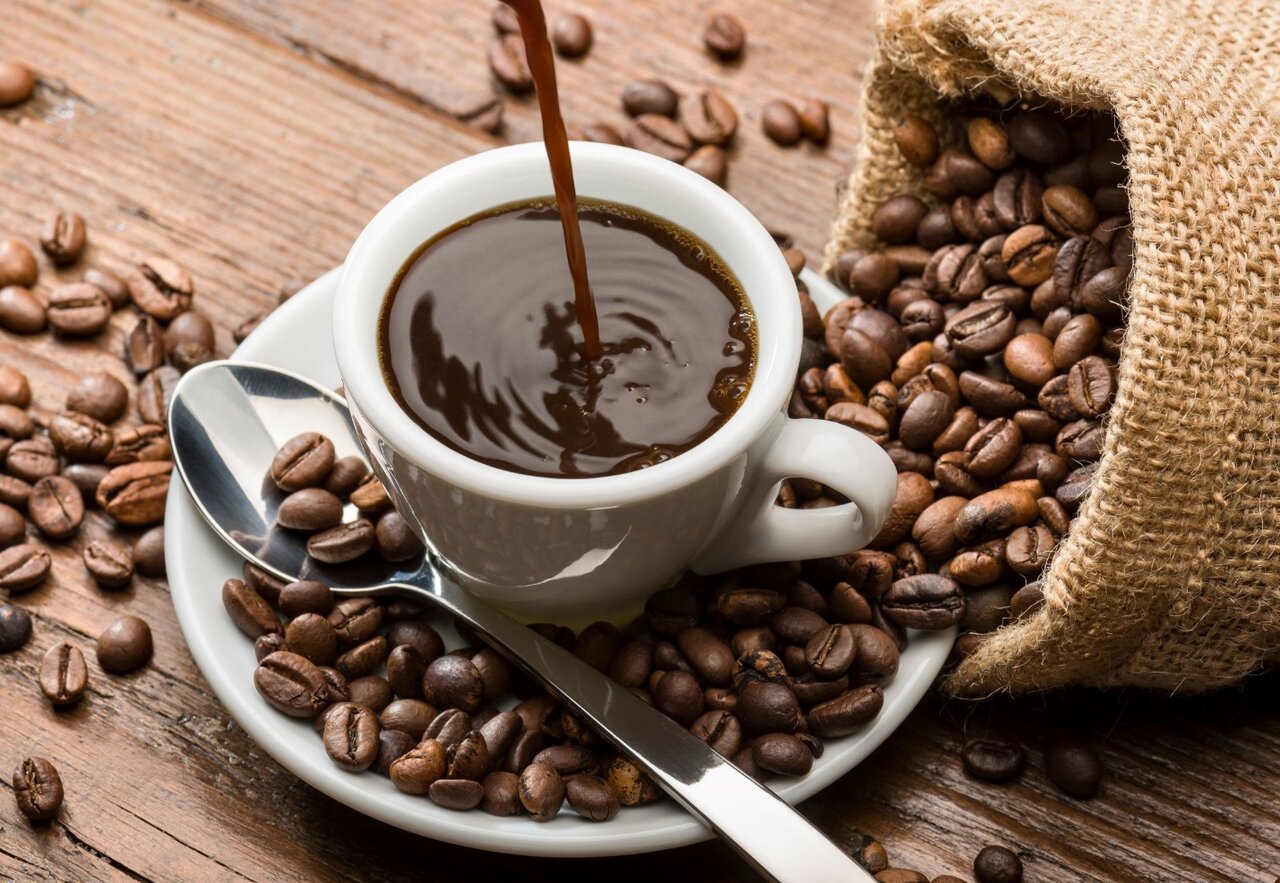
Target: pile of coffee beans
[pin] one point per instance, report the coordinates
(763, 664)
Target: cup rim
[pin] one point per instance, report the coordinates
(766, 281)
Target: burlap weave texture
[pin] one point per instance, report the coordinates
(1170, 577)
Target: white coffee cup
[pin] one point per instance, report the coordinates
(594, 548)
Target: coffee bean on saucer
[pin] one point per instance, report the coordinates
(392, 745)
(363, 658)
(541, 791)
(592, 798)
(21, 312)
(310, 635)
(63, 238)
(125, 645)
(248, 610)
(306, 596)
(345, 476)
(109, 563)
(303, 461)
(356, 620)
(781, 753)
(309, 509)
(509, 65)
(416, 771)
(501, 793)
(725, 36)
(351, 736)
(996, 864)
(458, 794)
(38, 789)
(148, 553)
(782, 123)
(64, 677)
(660, 136)
(370, 691)
(161, 288)
(17, 264)
(453, 682)
(291, 684)
(847, 713)
(17, 82)
(100, 396)
(15, 628)
(396, 540)
(370, 496)
(112, 286)
(78, 309)
(343, 543)
(571, 35)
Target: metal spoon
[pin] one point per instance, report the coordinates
(226, 421)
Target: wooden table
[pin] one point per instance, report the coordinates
(251, 140)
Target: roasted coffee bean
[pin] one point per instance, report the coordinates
(1081, 441)
(831, 651)
(37, 788)
(248, 610)
(1103, 295)
(112, 286)
(109, 563)
(78, 309)
(1068, 210)
(15, 423)
(355, 620)
(500, 732)
(934, 530)
(896, 220)
(925, 419)
(63, 238)
(99, 396)
(1078, 339)
(650, 96)
(863, 418)
(712, 163)
(992, 759)
(416, 771)
(303, 461)
(306, 596)
(679, 696)
(370, 496)
(721, 730)
(1055, 399)
(144, 347)
(345, 476)
(134, 494)
(815, 120)
(395, 538)
(310, 509)
(370, 691)
(878, 653)
(419, 635)
(155, 390)
(991, 396)
(758, 663)
(781, 753)
(309, 635)
(571, 35)
(1075, 487)
(1072, 765)
(15, 624)
(708, 117)
(351, 736)
(160, 288)
(24, 567)
(1091, 384)
(17, 82)
(936, 228)
(411, 716)
(591, 797)
(781, 123)
(148, 553)
(597, 644)
(14, 387)
(189, 340)
(56, 507)
(1054, 516)
(926, 601)
(1029, 549)
(993, 448)
(541, 791)
(966, 173)
(661, 136)
(710, 657)
(995, 513)
(501, 793)
(449, 727)
(914, 494)
(990, 143)
(80, 438)
(952, 474)
(125, 645)
(291, 684)
(509, 64)
(363, 659)
(985, 608)
(63, 675)
(1030, 253)
(724, 36)
(1079, 259)
(21, 312)
(917, 140)
(343, 543)
(1029, 359)
(392, 745)
(767, 707)
(845, 714)
(977, 566)
(267, 644)
(32, 459)
(405, 669)
(468, 758)
(996, 864)
(981, 329)
(17, 264)
(453, 682)
(13, 527)
(1039, 137)
(496, 673)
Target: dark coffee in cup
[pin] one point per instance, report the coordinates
(478, 341)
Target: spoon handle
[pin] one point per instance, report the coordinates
(775, 838)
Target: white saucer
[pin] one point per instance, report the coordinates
(297, 337)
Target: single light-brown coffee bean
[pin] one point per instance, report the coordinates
(78, 309)
(80, 438)
(345, 476)
(144, 347)
(708, 117)
(661, 136)
(1091, 384)
(571, 35)
(155, 391)
(161, 288)
(125, 645)
(189, 340)
(56, 507)
(351, 736)
(100, 396)
(291, 684)
(303, 461)
(147, 442)
(112, 286)
(1029, 359)
(725, 36)
(247, 609)
(17, 264)
(64, 677)
(1068, 210)
(1029, 253)
(781, 123)
(63, 238)
(917, 140)
(395, 538)
(23, 567)
(541, 791)
(650, 96)
(310, 509)
(134, 495)
(21, 312)
(109, 563)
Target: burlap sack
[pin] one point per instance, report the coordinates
(1170, 577)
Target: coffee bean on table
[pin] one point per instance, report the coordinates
(134, 494)
(145, 442)
(64, 676)
(815, 120)
(37, 788)
(541, 791)
(161, 288)
(343, 543)
(992, 759)
(63, 238)
(395, 538)
(660, 136)
(351, 736)
(109, 563)
(13, 527)
(310, 509)
(303, 461)
(144, 347)
(603, 133)
(14, 388)
(112, 286)
(148, 553)
(509, 65)
(1072, 765)
(21, 311)
(708, 117)
(725, 36)
(15, 423)
(571, 35)
(17, 82)
(125, 645)
(650, 96)
(78, 309)
(32, 459)
(189, 340)
(781, 122)
(80, 438)
(100, 396)
(155, 390)
(414, 772)
(24, 567)
(15, 628)
(17, 264)
(996, 864)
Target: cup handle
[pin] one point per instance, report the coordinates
(838, 456)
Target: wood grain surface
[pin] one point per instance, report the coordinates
(250, 140)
